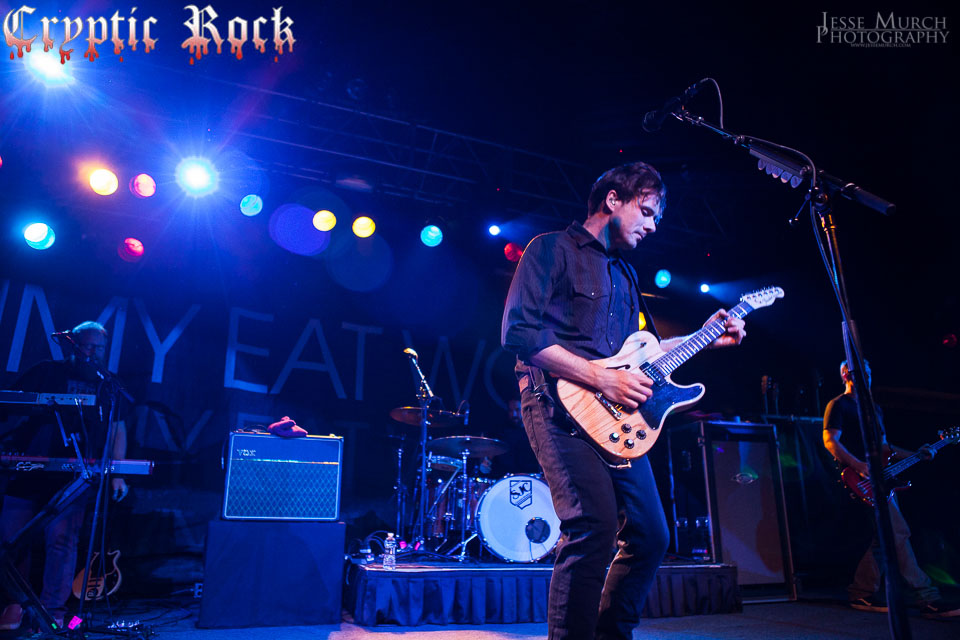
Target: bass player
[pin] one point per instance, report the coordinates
(840, 421)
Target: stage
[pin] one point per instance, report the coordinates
(441, 594)
(822, 619)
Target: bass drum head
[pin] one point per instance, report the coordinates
(516, 519)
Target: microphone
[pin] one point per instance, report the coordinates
(415, 363)
(61, 334)
(653, 120)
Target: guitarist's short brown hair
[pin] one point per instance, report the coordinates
(629, 181)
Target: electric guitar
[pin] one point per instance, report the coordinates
(100, 582)
(862, 489)
(623, 435)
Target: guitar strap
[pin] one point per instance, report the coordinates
(632, 276)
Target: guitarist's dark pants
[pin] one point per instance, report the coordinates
(600, 509)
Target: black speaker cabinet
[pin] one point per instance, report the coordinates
(268, 574)
(728, 503)
(273, 478)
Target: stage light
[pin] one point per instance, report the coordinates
(494, 230)
(662, 279)
(364, 227)
(196, 176)
(143, 186)
(130, 250)
(251, 205)
(104, 182)
(431, 235)
(45, 66)
(324, 220)
(513, 252)
(704, 288)
(39, 236)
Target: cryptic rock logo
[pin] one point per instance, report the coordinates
(202, 21)
(885, 31)
(129, 31)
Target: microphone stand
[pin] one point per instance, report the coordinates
(781, 162)
(425, 397)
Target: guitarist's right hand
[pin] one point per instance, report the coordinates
(861, 468)
(623, 388)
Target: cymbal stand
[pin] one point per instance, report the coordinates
(401, 491)
(465, 483)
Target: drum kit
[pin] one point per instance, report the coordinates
(513, 516)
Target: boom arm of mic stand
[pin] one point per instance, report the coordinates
(773, 155)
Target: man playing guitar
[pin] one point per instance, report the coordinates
(574, 298)
(840, 421)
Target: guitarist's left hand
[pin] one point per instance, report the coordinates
(735, 330)
(926, 453)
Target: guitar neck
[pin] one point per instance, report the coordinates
(692, 345)
(909, 461)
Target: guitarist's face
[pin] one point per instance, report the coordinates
(630, 222)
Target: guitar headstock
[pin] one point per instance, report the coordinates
(951, 435)
(763, 297)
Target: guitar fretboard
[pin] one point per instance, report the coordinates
(911, 460)
(669, 361)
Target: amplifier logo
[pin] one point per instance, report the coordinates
(247, 453)
(521, 493)
(745, 478)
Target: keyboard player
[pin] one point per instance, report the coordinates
(27, 493)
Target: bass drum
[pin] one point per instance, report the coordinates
(516, 519)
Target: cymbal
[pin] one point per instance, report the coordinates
(436, 417)
(474, 446)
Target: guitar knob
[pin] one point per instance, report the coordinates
(626, 428)
(641, 434)
(629, 443)
(614, 437)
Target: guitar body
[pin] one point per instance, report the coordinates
(100, 583)
(861, 489)
(620, 434)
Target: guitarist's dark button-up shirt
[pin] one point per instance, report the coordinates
(568, 290)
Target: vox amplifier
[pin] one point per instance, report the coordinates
(274, 478)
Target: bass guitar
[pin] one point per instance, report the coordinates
(623, 435)
(860, 487)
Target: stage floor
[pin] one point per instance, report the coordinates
(803, 620)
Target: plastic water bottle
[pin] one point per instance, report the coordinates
(390, 553)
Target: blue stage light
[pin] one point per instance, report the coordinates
(662, 279)
(39, 236)
(431, 235)
(704, 288)
(45, 66)
(197, 176)
(251, 205)
(494, 230)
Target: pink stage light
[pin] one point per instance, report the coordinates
(143, 186)
(130, 250)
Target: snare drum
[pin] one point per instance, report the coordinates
(443, 463)
(516, 519)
